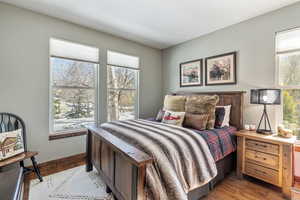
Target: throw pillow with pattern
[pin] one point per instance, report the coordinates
(203, 104)
(222, 116)
(174, 103)
(195, 121)
(174, 118)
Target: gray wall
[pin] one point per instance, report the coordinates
(24, 73)
(254, 40)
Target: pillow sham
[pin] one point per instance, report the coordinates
(222, 116)
(174, 103)
(203, 104)
(195, 121)
(11, 144)
(160, 115)
(174, 118)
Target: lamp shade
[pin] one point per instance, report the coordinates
(265, 96)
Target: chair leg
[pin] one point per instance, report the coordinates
(108, 190)
(36, 168)
(22, 163)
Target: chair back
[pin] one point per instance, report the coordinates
(12, 122)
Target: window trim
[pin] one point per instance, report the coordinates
(74, 59)
(54, 135)
(287, 51)
(111, 65)
(67, 134)
(137, 89)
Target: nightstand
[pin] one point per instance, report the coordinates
(266, 157)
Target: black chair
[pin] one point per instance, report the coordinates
(12, 122)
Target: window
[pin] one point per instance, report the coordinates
(122, 86)
(288, 67)
(73, 86)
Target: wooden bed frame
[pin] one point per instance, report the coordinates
(123, 167)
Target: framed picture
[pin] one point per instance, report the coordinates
(220, 69)
(191, 73)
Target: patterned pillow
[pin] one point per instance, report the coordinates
(174, 103)
(203, 104)
(11, 144)
(160, 115)
(175, 118)
(195, 121)
(222, 116)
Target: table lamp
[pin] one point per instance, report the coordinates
(265, 97)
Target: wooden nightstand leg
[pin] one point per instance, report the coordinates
(287, 170)
(240, 153)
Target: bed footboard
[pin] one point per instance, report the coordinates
(121, 166)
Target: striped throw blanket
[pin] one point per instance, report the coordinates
(182, 159)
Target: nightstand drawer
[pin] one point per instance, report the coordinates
(262, 146)
(264, 159)
(263, 173)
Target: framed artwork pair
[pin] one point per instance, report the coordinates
(219, 70)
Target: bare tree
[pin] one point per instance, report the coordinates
(73, 93)
(120, 81)
(292, 68)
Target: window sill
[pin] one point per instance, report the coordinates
(57, 136)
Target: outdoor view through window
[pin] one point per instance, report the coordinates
(288, 61)
(122, 86)
(73, 86)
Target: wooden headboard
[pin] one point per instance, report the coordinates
(234, 98)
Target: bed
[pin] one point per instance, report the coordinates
(122, 165)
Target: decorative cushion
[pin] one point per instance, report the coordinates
(160, 115)
(174, 103)
(195, 121)
(222, 116)
(203, 104)
(11, 144)
(175, 118)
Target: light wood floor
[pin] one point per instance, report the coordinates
(232, 188)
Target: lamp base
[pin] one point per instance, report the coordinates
(264, 132)
(267, 129)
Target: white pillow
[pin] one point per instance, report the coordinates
(174, 118)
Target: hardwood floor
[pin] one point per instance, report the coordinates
(59, 165)
(231, 188)
(52, 167)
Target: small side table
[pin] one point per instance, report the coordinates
(266, 157)
(20, 158)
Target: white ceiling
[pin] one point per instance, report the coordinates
(156, 23)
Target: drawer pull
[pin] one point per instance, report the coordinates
(262, 145)
(261, 158)
(262, 172)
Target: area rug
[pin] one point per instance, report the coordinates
(72, 184)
